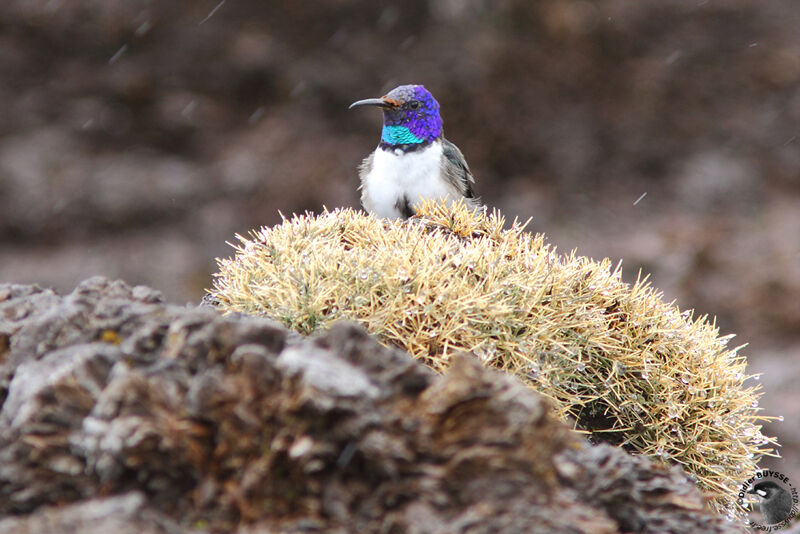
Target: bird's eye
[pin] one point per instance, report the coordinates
(414, 104)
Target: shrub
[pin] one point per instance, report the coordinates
(616, 360)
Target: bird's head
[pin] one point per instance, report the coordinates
(765, 490)
(410, 115)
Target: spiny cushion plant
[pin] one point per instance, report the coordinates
(614, 358)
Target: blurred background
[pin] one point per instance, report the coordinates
(137, 137)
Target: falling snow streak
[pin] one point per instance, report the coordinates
(211, 14)
(257, 114)
(117, 55)
(640, 198)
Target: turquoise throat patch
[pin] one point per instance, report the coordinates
(399, 135)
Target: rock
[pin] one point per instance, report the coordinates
(123, 514)
(121, 413)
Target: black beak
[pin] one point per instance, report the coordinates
(380, 102)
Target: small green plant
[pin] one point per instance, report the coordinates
(615, 359)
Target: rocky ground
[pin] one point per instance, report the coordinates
(137, 137)
(121, 413)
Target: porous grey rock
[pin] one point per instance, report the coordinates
(124, 414)
(123, 514)
(326, 373)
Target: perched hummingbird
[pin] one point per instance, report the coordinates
(413, 160)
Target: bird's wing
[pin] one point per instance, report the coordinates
(457, 172)
(365, 168)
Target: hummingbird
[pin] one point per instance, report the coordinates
(413, 159)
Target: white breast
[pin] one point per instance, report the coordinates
(395, 175)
